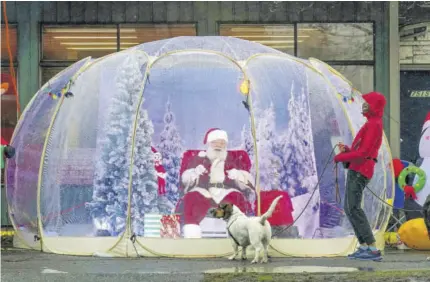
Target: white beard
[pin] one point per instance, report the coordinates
(217, 159)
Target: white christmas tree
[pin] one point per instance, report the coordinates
(286, 159)
(145, 197)
(247, 142)
(110, 196)
(268, 163)
(171, 150)
(298, 173)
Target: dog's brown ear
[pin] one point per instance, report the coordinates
(228, 207)
(228, 210)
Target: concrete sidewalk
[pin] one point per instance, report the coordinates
(22, 265)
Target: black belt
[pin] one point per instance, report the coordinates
(373, 159)
(346, 164)
(212, 185)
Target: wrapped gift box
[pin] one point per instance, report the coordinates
(152, 224)
(170, 226)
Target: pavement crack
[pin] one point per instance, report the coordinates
(17, 260)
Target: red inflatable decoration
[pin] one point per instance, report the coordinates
(410, 192)
(398, 167)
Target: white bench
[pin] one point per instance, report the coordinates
(213, 228)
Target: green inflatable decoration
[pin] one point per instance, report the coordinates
(2, 156)
(6, 152)
(412, 169)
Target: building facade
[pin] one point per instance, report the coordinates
(359, 39)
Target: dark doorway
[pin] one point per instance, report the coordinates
(414, 106)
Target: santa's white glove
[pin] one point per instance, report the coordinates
(200, 170)
(190, 176)
(243, 179)
(233, 174)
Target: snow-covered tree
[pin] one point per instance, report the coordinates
(247, 142)
(268, 163)
(286, 156)
(171, 150)
(110, 196)
(296, 151)
(145, 186)
(265, 130)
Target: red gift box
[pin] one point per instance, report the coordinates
(170, 226)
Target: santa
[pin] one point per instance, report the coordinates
(161, 172)
(213, 176)
(424, 151)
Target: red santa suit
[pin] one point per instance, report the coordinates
(207, 182)
(161, 172)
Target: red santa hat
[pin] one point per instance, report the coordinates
(215, 134)
(427, 121)
(155, 152)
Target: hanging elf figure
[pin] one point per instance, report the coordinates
(161, 172)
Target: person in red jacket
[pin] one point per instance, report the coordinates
(360, 159)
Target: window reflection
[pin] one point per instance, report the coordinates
(336, 41)
(280, 37)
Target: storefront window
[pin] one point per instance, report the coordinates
(361, 77)
(9, 114)
(280, 37)
(131, 35)
(336, 41)
(414, 44)
(75, 43)
(12, 41)
(49, 72)
(64, 45)
(8, 105)
(347, 47)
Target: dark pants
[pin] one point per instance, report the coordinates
(426, 211)
(355, 184)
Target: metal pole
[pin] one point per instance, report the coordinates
(394, 78)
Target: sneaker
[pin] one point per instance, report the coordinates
(356, 253)
(369, 255)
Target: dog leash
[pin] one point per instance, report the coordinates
(315, 188)
(336, 184)
(231, 235)
(338, 198)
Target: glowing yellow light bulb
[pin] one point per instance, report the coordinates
(244, 87)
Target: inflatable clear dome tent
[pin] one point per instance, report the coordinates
(107, 169)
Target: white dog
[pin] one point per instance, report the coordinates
(245, 231)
